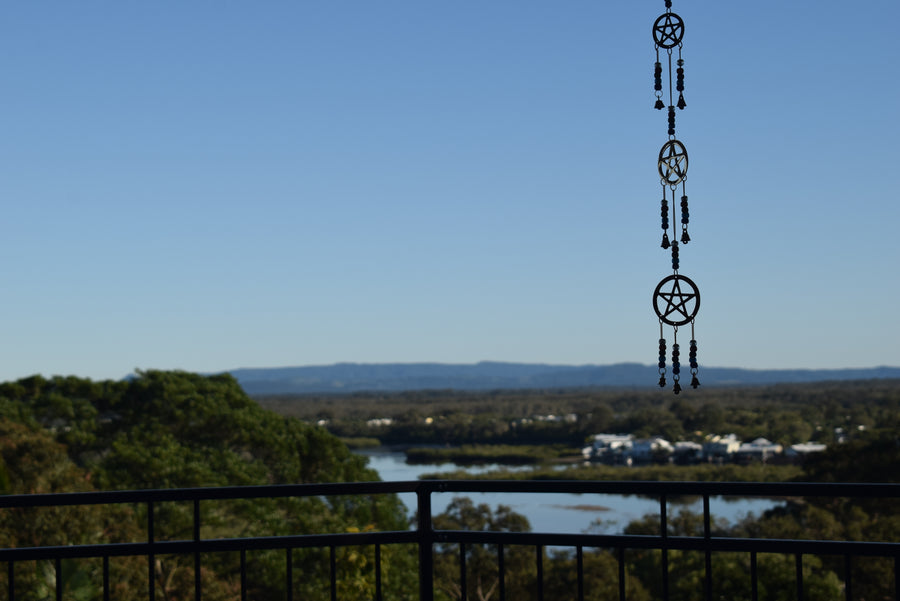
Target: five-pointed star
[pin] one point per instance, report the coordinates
(674, 158)
(669, 31)
(676, 300)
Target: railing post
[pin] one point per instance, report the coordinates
(198, 587)
(707, 533)
(664, 535)
(426, 544)
(151, 559)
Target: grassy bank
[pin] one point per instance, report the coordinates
(483, 454)
(693, 473)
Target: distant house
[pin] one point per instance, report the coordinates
(608, 447)
(760, 449)
(798, 453)
(687, 452)
(720, 449)
(651, 450)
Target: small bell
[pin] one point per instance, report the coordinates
(677, 388)
(694, 381)
(662, 381)
(659, 104)
(681, 103)
(684, 236)
(665, 240)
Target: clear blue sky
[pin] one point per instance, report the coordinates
(211, 185)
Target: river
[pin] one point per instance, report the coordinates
(552, 512)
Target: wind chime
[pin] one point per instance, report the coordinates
(676, 299)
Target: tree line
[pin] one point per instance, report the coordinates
(175, 429)
(786, 414)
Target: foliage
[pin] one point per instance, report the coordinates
(480, 454)
(169, 430)
(784, 413)
(173, 429)
(483, 578)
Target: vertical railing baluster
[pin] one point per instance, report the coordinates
(579, 570)
(197, 581)
(463, 584)
(540, 571)
(57, 565)
(243, 574)
(332, 568)
(707, 534)
(290, 573)
(426, 544)
(501, 569)
(663, 532)
(378, 572)
(897, 578)
(754, 587)
(799, 565)
(621, 573)
(106, 578)
(848, 579)
(151, 559)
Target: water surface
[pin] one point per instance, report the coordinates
(555, 512)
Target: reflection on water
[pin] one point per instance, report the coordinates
(556, 512)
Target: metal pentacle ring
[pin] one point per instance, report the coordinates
(668, 30)
(673, 162)
(676, 300)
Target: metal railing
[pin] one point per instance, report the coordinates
(425, 537)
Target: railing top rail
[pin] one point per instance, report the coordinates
(656, 488)
(206, 493)
(741, 489)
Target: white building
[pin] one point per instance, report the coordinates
(646, 450)
(604, 445)
(719, 449)
(761, 449)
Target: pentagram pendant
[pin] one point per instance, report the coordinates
(668, 30)
(673, 163)
(676, 300)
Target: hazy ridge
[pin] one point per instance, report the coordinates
(488, 375)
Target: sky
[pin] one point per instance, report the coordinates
(212, 185)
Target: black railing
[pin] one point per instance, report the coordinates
(426, 538)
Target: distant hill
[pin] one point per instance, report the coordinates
(489, 375)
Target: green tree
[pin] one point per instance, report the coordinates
(482, 575)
